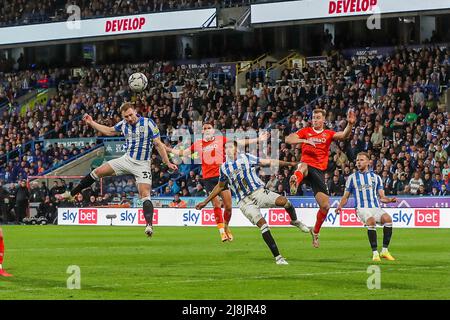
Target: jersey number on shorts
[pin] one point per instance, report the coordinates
(147, 174)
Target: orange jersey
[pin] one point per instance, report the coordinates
(212, 155)
(317, 156)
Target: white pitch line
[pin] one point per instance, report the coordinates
(283, 275)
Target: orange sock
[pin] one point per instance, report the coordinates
(219, 219)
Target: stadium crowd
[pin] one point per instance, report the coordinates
(396, 99)
(18, 12)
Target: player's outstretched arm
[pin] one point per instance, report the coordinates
(385, 199)
(181, 153)
(105, 130)
(343, 201)
(216, 191)
(245, 142)
(344, 135)
(275, 162)
(160, 147)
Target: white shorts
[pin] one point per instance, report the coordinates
(365, 213)
(140, 169)
(251, 204)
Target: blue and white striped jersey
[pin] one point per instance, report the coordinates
(241, 175)
(364, 186)
(139, 137)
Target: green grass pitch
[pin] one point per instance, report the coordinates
(192, 263)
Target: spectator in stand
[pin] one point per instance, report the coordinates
(440, 155)
(92, 202)
(437, 182)
(192, 181)
(336, 187)
(4, 206)
(106, 199)
(421, 191)
(185, 192)
(79, 201)
(444, 192)
(281, 191)
(174, 188)
(177, 202)
(199, 191)
(35, 192)
(427, 183)
(48, 210)
(415, 183)
(272, 183)
(22, 201)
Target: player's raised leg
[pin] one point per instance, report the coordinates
(324, 204)
(227, 210)
(104, 170)
(286, 204)
(386, 221)
(147, 206)
(2, 254)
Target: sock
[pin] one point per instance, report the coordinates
(320, 218)
(219, 219)
(148, 211)
(290, 210)
(387, 234)
(84, 183)
(299, 176)
(372, 234)
(2, 251)
(269, 240)
(227, 216)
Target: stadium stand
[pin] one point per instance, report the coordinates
(30, 12)
(395, 97)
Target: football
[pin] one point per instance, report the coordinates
(137, 82)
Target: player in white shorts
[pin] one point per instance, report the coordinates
(364, 185)
(239, 173)
(140, 133)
